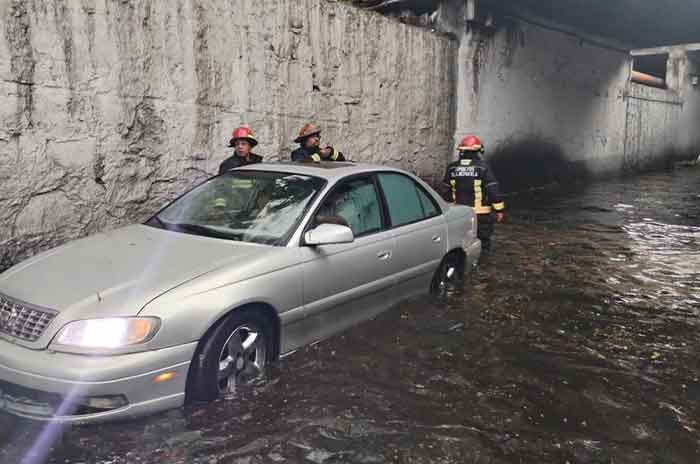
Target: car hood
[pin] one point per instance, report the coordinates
(117, 273)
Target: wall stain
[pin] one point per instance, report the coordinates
(90, 10)
(98, 168)
(480, 44)
(142, 129)
(515, 38)
(18, 34)
(532, 161)
(205, 78)
(64, 27)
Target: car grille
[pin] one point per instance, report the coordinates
(20, 321)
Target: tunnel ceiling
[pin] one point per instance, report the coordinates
(636, 23)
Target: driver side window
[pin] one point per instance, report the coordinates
(355, 204)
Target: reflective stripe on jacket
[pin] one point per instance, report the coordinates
(473, 184)
(314, 154)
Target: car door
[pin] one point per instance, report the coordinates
(347, 283)
(419, 229)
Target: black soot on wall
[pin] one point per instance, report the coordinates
(526, 163)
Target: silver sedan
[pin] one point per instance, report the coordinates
(247, 266)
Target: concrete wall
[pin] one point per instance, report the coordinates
(546, 104)
(552, 105)
(661, 125)
(688, 138)
(652, 127)
(110, 108)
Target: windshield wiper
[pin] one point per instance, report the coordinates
(206, 231)
(155, 221)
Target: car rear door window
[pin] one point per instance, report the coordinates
(429, 207)
(353, 203)
(406, 200)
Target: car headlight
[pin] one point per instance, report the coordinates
(109, 333)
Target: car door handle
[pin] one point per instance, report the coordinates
(437, 239)
(383, 255)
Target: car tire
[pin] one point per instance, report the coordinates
(450, 273)
(234, 353)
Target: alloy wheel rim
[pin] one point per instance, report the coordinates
(447, 275)
(242, 358)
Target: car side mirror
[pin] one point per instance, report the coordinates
(328, 234)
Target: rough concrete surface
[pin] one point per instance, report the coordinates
(530, 90)
(661, 123)
(552, 105)
(110, 108)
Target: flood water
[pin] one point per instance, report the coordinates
(577, 341)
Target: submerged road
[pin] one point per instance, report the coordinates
(576, 341)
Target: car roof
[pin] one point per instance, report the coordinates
(329, 170)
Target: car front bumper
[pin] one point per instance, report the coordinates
(50, 386)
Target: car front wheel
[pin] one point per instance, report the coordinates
(450, 273)
(233, 354)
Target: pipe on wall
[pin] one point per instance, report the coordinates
(648, 79)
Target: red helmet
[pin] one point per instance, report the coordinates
(307, 131)
(243, 133)
(470, 143)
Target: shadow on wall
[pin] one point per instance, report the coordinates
(525, 163)
(6, 260)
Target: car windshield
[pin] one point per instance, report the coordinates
(249, 206)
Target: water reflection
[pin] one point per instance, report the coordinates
(576, 341)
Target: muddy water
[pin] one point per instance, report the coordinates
(576, 341)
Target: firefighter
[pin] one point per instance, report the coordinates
(310, 149)
(473, 184)
(242, 141)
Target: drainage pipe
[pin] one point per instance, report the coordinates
(647, 79)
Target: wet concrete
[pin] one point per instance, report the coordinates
(575, 342)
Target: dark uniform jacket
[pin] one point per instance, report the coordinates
(224, 192)
(314, 154)
(473, 184)
(237, 161)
